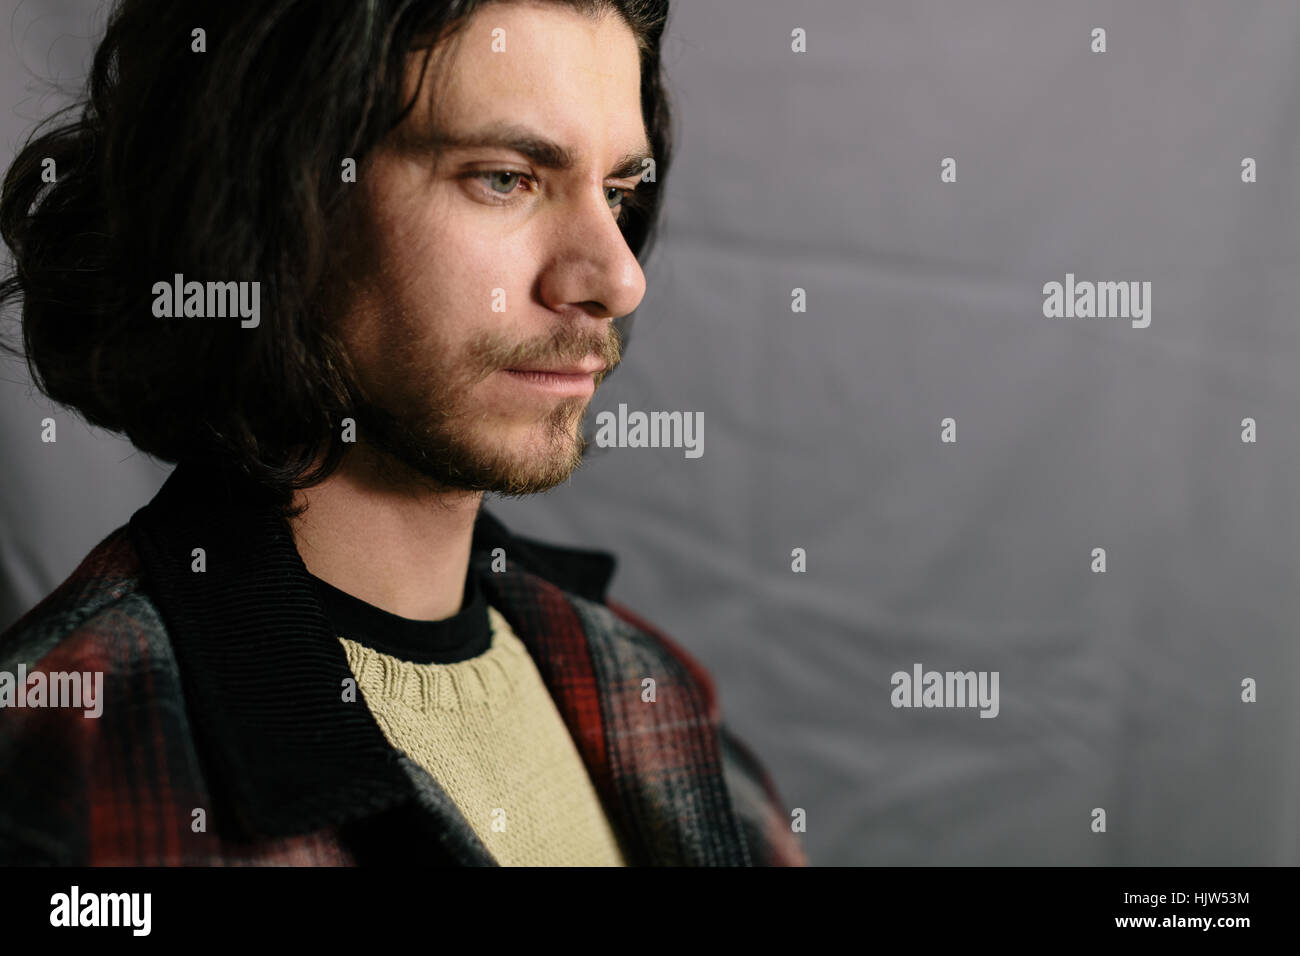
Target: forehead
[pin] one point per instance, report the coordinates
(561, 71)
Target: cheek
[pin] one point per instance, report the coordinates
(440, 270)
(484, 277)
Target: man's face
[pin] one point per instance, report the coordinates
(474, 262)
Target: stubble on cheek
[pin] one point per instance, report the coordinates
(416, 368)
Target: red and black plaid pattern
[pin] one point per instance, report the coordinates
(142, 784)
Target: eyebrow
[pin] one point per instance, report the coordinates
(544, 152)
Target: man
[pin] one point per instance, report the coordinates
(351, 265)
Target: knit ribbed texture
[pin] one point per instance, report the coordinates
(488, 731)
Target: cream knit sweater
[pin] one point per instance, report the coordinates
(488, 731)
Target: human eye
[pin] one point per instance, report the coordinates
(499, 185)
(622, 200)
(506, 179)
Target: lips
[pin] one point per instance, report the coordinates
(590, 367)
(566, 384)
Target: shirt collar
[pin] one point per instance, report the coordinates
(261, 668)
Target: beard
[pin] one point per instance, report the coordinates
(421, 425)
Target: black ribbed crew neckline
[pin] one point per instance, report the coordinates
(463, 635)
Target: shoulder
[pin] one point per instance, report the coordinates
(692, 666)
(87, 611)
(92, 616)
(754, 794)
(86, 678)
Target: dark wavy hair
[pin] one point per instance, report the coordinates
(226, 164)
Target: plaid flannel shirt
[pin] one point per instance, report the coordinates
(225, 739)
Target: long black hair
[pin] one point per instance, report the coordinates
(226, 164)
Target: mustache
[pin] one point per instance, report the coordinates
(565, 346)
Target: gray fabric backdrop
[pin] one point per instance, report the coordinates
(821, 170)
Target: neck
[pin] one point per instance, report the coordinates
(399, 545)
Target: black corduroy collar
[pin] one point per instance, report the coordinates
(263, 673)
